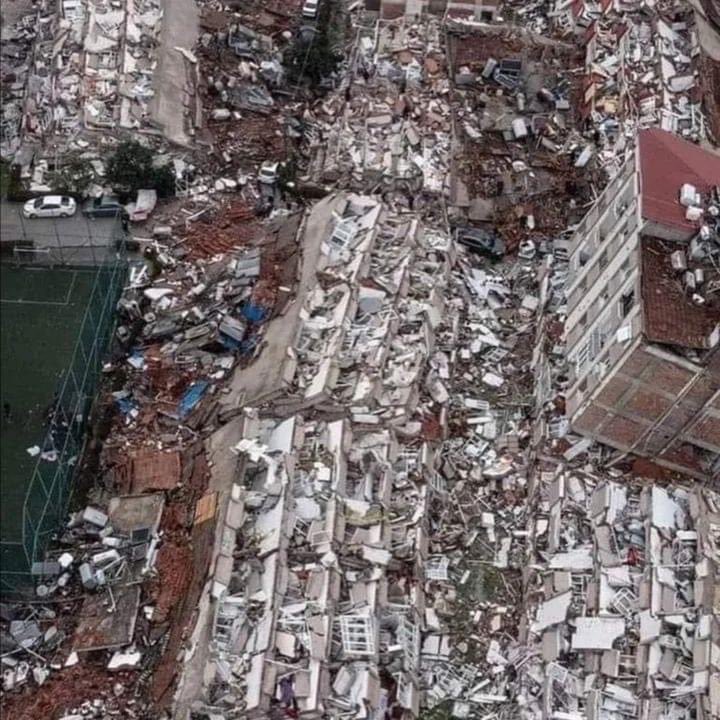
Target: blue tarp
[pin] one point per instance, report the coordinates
(192, 397)
(254, 313)
(228, 342)
(126, 405)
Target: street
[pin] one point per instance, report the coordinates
(74, 231)
(73, 240)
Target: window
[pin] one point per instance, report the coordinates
(343, 233)
(589, 350)
(597, 340)
(627, 300)
(603, 298)
(436, 568)
(408, 636)
(357, 633)
(583, 320)
(582, 357)
(108, 60)
(603, 260)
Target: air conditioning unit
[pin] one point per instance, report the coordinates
(678, 260)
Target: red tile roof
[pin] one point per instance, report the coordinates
(670, 316)
(666, 163)
(577, 7)
(590, 32)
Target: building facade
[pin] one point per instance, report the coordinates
(643, 310)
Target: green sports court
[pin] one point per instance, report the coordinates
(41, 313)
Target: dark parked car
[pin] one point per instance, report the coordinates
(104, 206)
(484, 242)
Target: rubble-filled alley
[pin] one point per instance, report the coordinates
(332, 471)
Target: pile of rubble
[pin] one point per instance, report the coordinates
(91, 67)
(17, 57)
(118, 63)
(523, 166)
(620, 601)
(241, 69)
(394, 117)
(327, 527)
(644, 62)
(128, 570)
(631, 81)
(408, 527)
(367, 525)
(93, 577)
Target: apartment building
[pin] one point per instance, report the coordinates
(643, 309)
(482, 10)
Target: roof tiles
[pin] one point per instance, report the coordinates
(670, 315)
(666, 163)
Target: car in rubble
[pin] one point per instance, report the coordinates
(310, 8)
(50, 206)
(103, 206)
(141, 209)
(268, 174)
(484, 242)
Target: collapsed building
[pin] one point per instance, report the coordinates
(621, 611)
(337, 507)
(92, 67)
(401, 529)
(352, 548)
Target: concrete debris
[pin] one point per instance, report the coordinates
(366, 512)
(89, 67)
(342, 477)
(634, 621)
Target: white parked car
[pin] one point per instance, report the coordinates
(268, 173)
(310, 8)
(50, 206)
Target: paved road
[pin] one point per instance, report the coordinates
(67, 232)
(73, 240)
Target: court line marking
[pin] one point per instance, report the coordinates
(56, 303)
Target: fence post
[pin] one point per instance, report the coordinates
(59, 244)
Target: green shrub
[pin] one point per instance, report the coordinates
(130, 168)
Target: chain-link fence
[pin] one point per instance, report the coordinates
(49, 489)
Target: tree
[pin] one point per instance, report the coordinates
(312, 54)
(73, 176)
(131, 168)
